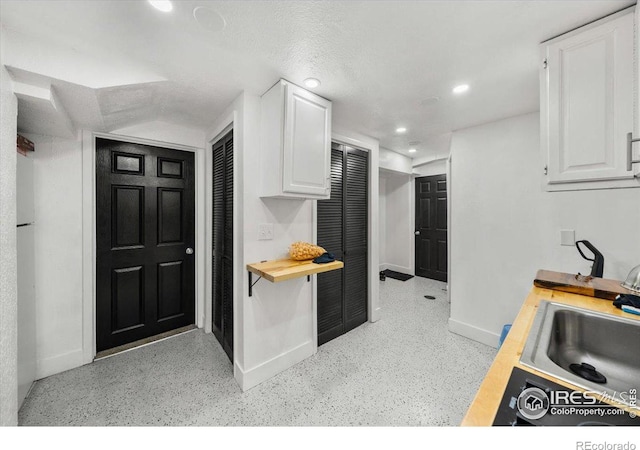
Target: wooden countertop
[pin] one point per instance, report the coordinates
(485, 405)
(287, 269)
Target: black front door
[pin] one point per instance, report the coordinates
(145, 236)
(431, 227)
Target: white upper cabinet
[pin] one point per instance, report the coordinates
(587, 107)
(296, 143)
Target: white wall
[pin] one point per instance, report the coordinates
(8, 270)
(399, 224)
(57, 174)
(438, 167)
(390, 160)
(276, 327)
(273, 329)
(164, 132)
(505, 228)
(436, 148)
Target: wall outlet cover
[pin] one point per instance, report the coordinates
(568, 237)
(265, 231)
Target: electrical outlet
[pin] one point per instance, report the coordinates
(568, 237)
(265, 231)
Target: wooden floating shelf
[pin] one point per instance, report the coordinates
(287, 269)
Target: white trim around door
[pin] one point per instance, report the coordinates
(89, 232)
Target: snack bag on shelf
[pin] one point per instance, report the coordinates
(302, 251)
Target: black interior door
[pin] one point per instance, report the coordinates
(431, 227)
(222, 276)
(343, 231)
(145, 235)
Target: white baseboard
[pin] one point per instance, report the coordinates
(383, 266)
(475, 333)
(262, 372)
(375, 315)
(56, 364)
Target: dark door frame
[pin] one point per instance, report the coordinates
(88, 351)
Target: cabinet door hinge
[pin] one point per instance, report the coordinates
(546, 170)
(544, 63)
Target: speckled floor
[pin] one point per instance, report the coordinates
(406, 369)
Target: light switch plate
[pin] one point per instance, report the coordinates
(265, 231)
(568, 237)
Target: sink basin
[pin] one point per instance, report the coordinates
(562, 336)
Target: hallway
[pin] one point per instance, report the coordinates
(405, 370)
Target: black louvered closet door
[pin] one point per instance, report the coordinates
(222, 276)
(330, 236)
(356, 234)
(342, 230)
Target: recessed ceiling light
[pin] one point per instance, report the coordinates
(162, 5)
(401, 130)
(312, 83)
(430, 101)
(209, 19)
(412, 150)
(461, 88)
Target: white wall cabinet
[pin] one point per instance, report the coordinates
(587, 105)
(295, 143)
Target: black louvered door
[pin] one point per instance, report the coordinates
(222, 276)
(343, 231)
(331, 237)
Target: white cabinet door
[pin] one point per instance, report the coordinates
(587, 106)
(307, 143)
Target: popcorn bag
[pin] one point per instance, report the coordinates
(302, 251)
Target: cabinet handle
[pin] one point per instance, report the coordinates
(630, 160)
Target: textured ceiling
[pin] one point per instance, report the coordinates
(381, 63)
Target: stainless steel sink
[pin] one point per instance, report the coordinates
(562, 335)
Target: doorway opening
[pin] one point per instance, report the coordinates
(431, 249)
(145, 236)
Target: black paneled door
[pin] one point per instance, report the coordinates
(431, 227)
(343, 230)
(222, 276)
(145, 235)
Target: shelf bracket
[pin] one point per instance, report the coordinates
(252, 283)
(308, 278)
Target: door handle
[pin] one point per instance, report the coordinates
(189, 251)
(417, 232)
